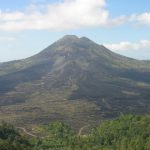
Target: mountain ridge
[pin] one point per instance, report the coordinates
(74, 80)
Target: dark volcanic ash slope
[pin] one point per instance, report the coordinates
(75, 80)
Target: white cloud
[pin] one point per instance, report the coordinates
(125, 46)
(143, 19)
(67, 14)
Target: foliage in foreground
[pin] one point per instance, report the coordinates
(124, 133)
(11, 139)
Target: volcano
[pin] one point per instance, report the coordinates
(73, 80)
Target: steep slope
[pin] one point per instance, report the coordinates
(75, 80)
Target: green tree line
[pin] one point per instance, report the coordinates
(128, 132)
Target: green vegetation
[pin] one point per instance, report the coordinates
(11, 139)
(127, 132)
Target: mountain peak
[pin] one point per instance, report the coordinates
(70, 37)
(75, 38)
(85, 38)
(82, 46)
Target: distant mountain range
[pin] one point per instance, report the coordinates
(74, 80)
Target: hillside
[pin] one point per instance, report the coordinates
(73, 80)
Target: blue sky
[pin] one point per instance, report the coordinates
(28, 26)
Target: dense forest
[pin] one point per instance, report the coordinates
(128, 132)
